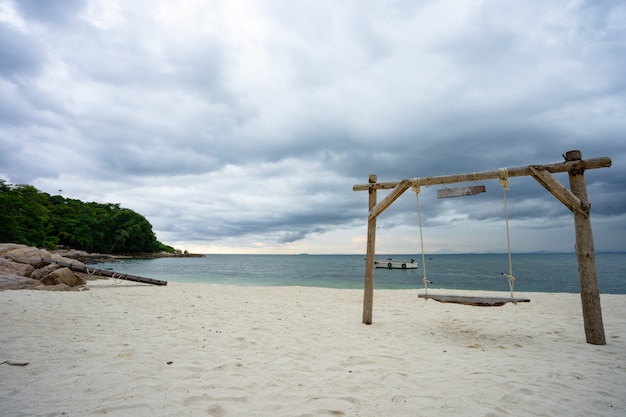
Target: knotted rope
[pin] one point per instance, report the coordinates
(416, 188)
(504, 182)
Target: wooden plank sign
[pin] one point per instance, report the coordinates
(460, 191)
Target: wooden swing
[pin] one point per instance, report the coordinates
(479, 301)
(575, 199)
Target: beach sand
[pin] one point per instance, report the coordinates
(125, 349)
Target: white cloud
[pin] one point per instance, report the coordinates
(103, 14)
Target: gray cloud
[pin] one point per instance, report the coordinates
(21, 56)
(50, 12)
(244, 128)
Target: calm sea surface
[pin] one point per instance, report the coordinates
(533, 272)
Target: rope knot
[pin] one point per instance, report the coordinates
(511, 279)
(415, 185)
(504, 178)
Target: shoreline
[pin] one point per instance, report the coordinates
(123, 348)
(29, 267)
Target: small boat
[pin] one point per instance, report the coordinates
(391, 264)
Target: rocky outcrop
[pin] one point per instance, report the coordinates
(24, 267)
(82, 256)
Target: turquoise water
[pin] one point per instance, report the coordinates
(533, 272)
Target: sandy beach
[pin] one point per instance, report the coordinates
(125, 349)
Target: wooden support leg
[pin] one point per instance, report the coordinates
(368, 296)
(585, 252)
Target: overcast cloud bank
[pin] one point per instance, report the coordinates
(241, 126)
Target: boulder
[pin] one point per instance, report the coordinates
(42, 272)
(63, 276)
(44, 254)
(5, 247)
(58, 258)
(14, 268)
(25, 255)
(17, 282)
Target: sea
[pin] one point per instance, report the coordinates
(544, 272)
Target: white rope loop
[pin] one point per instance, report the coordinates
(416, 188)
(117, 279)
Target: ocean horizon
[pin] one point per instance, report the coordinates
(534, 272)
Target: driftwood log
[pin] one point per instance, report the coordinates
(106, 273)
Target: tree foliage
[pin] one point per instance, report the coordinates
(35, 218)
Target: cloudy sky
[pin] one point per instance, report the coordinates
(241, 126)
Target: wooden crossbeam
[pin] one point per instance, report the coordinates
(568, 166)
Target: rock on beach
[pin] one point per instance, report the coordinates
(25, 267)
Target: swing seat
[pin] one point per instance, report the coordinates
(473, 300)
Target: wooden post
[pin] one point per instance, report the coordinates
(368, 296)
(585, 252)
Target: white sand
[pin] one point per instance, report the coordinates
(211, 350)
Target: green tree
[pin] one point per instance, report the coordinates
(25, 215)
(9, 226)
(38, 219)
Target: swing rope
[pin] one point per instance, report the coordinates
(416, 188)
(471, 300)
(504, 182)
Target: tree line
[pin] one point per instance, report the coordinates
(35, 218)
